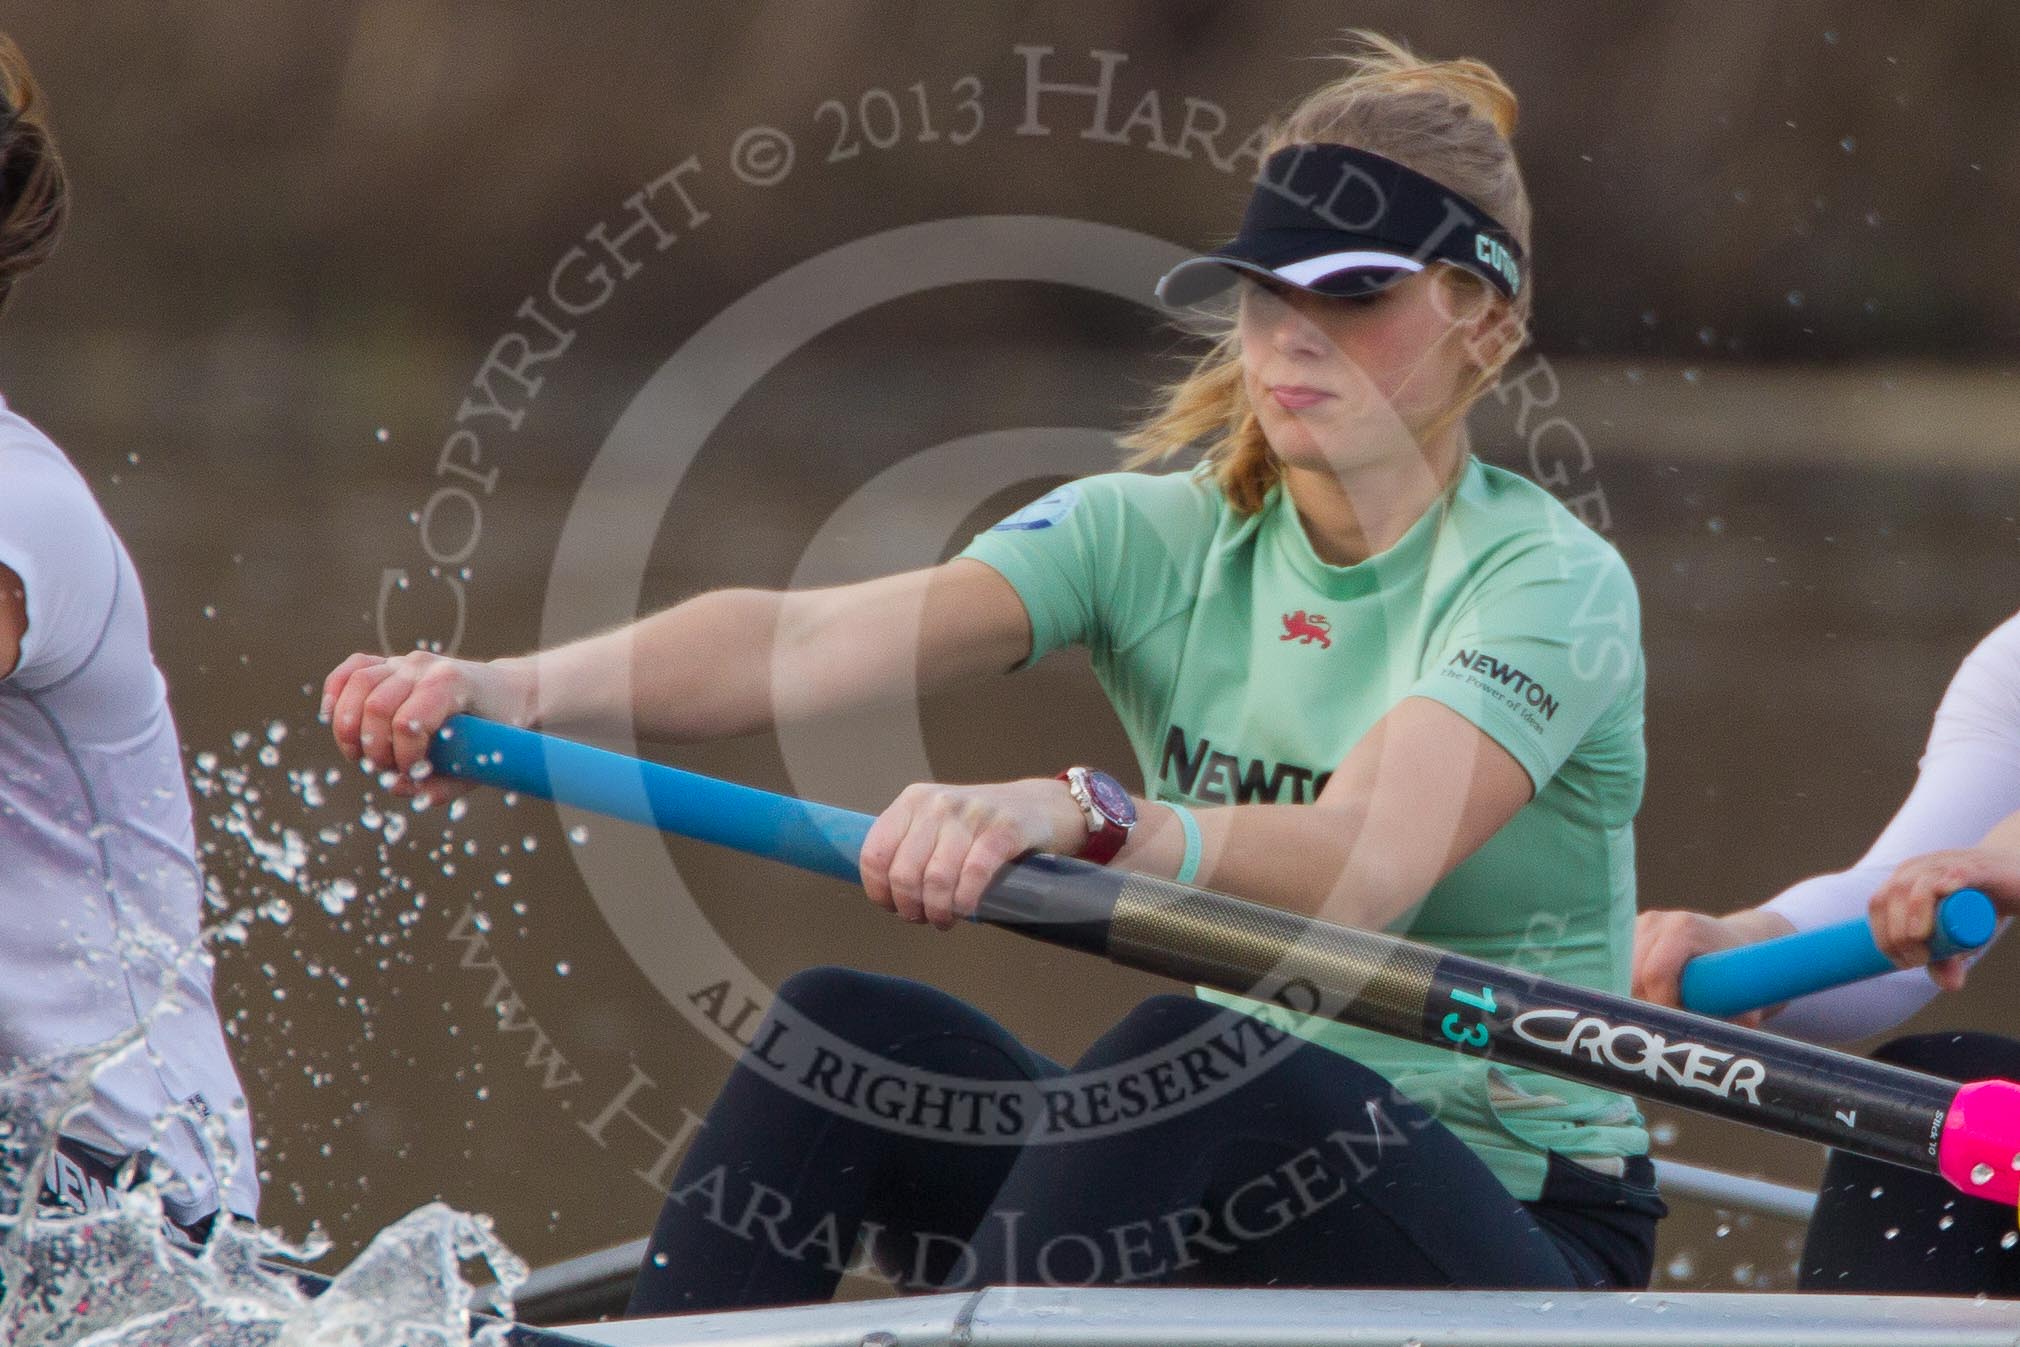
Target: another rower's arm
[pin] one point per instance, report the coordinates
(13, 619)
(1420, 793)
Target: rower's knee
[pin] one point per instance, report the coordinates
(869, 1010)
(1955, 1055)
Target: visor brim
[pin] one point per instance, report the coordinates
(1337, 274)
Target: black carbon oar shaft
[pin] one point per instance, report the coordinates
(1476, 1008)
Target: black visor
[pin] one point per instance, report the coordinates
(1337, 220)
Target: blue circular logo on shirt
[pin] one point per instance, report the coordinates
(1042, 513)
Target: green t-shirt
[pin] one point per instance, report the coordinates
(1244, 668)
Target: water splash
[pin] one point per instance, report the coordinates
(119, 1278)
(114, 1279)
(280, 840)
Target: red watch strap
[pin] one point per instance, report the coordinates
(1103, 842)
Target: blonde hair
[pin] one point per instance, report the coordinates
(1449, 120)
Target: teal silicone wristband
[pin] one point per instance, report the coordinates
(1189, 867)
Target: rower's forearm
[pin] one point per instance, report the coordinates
(1755, 924)
(2005, 834)
(1301, 858)
(699, 670)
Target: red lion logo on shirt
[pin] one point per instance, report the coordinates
(1305, 628)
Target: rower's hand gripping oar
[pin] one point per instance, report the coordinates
(1969, 1134)
(1733, 981)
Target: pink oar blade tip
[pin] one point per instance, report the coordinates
(1979, 1151)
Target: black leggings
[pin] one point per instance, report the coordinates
(1311, 1171)
(1881, 1228)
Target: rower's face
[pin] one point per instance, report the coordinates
(1384, 364)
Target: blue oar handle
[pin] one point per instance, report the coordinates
(1734, 981)
(812, 836)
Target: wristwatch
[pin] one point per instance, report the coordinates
(1109, 810)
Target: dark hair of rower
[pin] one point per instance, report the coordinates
(34, 190)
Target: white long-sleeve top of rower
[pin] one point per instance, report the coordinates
(100, 891)
(1969, 781)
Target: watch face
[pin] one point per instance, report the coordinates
(1111, 799)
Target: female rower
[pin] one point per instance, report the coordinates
(1403, 687)
(1879, 1227)
(100, 894)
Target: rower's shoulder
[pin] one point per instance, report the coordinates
(46, 496)
(1127, 509)
(1511, 517)
(1189, 493)
(1990, 674)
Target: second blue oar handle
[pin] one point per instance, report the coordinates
(816, 837)
(1734, 981)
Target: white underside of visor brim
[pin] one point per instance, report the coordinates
(1193, 280)
(1315, 269)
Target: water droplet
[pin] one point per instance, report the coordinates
(1892, 1232)
(382, 434)
(1877, 1190)
(337, 895)
(561, 968)
(1722, 1231)
(578, 834)
(502, 878)
(1946, 1222)
(1981, 1173)
(2009, 1239)
(1847, 144)
(1795, 298)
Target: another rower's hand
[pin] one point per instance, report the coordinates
(384, 711)
(929, 856)
(1665, 941)
(1903, 910)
